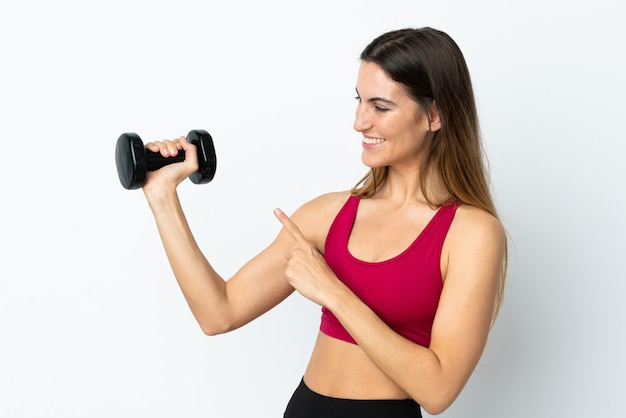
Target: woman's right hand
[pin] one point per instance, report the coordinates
(171, 175)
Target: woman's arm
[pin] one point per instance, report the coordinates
(218, 305)
(433, 376)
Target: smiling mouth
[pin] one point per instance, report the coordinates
(373, 141)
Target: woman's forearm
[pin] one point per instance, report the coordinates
(419, 371)
(203, 289)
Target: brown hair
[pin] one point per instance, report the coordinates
(431, 68)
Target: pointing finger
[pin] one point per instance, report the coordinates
(291, 227)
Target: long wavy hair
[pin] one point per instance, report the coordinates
(431, 68)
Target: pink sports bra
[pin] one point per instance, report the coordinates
(403, 291)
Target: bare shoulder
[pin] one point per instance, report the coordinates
(475, 238)
(326, 202)
(470, 218)
(315, 216)
(474, 223)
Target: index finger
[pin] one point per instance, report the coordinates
(290, 226)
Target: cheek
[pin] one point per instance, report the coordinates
(412, 134)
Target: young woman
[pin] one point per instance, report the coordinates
(408, 266)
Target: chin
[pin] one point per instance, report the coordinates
(371, 162)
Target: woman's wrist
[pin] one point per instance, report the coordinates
(160, 198)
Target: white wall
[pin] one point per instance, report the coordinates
(92, 323)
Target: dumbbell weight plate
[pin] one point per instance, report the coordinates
(206, 156)
(131, 166)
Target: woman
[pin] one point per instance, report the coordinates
(408, 266)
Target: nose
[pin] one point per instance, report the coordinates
(362, 120)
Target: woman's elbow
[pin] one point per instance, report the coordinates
(435, 409)
(211, 331)
(438, 402)
(213, 327)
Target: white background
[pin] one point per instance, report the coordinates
(92, 323)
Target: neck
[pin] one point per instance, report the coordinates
(405, 186)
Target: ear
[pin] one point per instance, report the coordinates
(434, 121)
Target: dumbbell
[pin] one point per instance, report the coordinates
(133, 161)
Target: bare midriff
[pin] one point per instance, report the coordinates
(340, 369)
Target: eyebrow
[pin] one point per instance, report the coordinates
(377, 99)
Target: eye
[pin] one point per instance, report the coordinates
(357, 98)
(381, 109)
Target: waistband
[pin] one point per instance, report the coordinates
(306, 403)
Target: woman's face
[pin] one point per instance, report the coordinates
(393, 125)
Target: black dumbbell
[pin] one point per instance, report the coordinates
(134, 161)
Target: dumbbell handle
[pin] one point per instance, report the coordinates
(154, 160)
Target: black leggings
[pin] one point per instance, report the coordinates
(305, 403)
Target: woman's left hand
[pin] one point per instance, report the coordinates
(306, 270)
